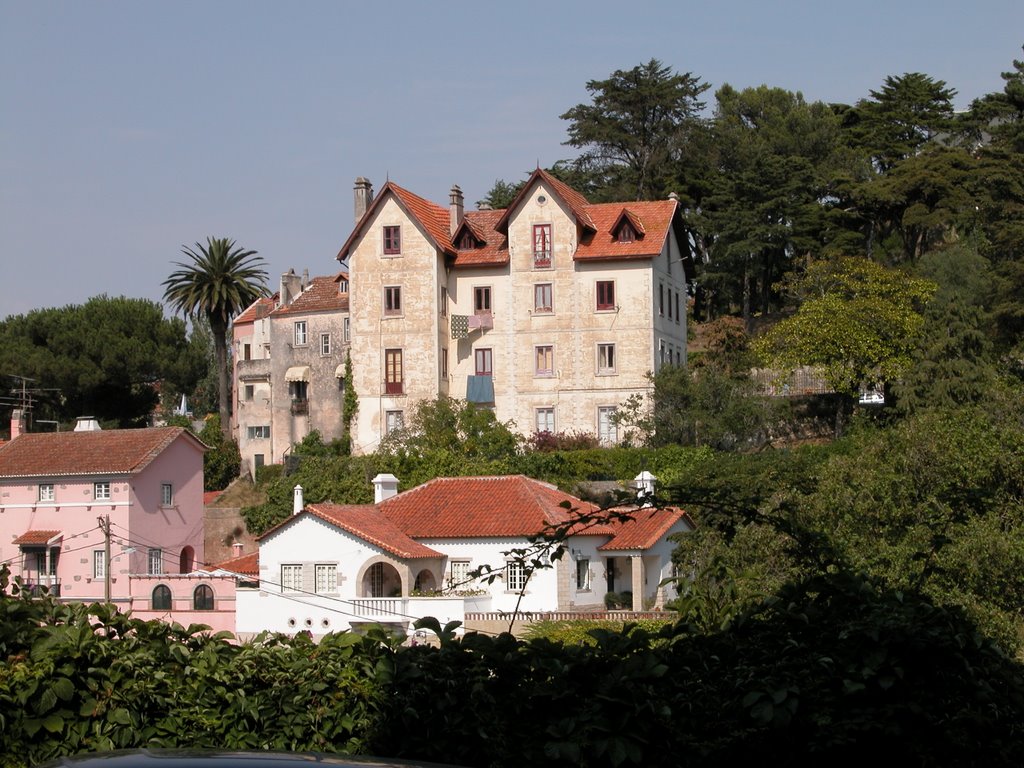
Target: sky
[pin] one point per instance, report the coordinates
(131, 129)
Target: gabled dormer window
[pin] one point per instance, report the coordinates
(466, 240)
(626, 233)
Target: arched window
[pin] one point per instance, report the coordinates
(162, 598)
(188, 556)
(202, 598)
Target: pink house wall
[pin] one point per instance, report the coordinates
(182, 611)
(137, 521)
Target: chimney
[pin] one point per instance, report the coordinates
(87, 424)
(236, 549)
(297, 502)
(17, 422)
(384, 487)
(456, 209)
(645, 487)
(673, 197)
(363, 196)
(291, 287)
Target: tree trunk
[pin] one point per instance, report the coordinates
(747, 320)
(219, 331)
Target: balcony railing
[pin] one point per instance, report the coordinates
(300, 407)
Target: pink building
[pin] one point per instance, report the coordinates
(62, 495)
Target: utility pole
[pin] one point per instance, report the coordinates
(105, 527)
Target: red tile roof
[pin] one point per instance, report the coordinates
(509, 506)
(493, 247)
(435, 219)
(211, 496)
(459, 507)
(36, 537)
(367, 522)
(103, 452)
(262, 307)
(246, 565)
(645, 529)
(653, 220)
(321, 295)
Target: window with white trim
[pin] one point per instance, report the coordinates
(99, 564)
(583, 574)
(605, 358)
(155, 561)
(326, 578)
(515, 576)
(258, 432)
(394, 421)
(46, 492)
(458, 574)
(347, 324)
(101, 491)
(545, 419)
(300, 333)
(291, 577)
(607, 428)
(325, 344)
(166, 494)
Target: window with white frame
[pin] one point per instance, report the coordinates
(291, 577)
(326, 578)
(545, 419)
(606, 358)
(348, 329)
(300, 334)
(583, 574)
(156, 561)
(515, 576)
(325, 344)
(544, 357)
(258, 432)
(543, 298)
(394, 421)
(101, 491)
(166, 494)
(607, 428)
(458, 574)
(46, 492)
(99, 564)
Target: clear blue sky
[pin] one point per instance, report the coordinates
(130, 128)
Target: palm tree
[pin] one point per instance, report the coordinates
(219, 282)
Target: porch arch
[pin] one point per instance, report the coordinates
(381, 577)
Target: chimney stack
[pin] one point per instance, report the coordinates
(17, 422)
(645, 487)
(363, 196)
(456, 209)
(297, 502)
(384, 487)
(87, 424)
(291, 287)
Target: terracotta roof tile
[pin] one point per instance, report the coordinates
(321, 295)
(246, 565)
(434, 218)
(36, 537)
(654, 217)
(103, 452)
(646, 528)
(493, 251)
(262, 307)
(211, 496)
(368, 523)
(459, 507)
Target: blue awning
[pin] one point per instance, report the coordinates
(479, 389)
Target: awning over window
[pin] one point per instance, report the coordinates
(480, 389)
(38, 538)
(297, 373)
(339, 372)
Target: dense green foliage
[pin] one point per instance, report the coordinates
(106, 358)
(828, 670)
